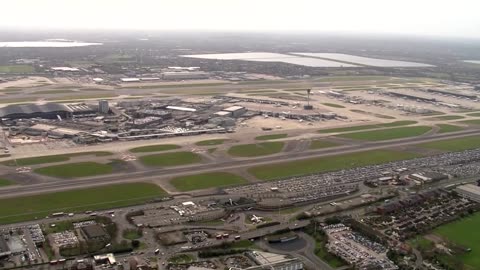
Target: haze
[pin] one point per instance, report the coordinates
(427, 17)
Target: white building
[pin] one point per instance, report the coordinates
(469, 191)
(184, 75)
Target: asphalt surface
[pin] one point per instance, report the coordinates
(165, 173)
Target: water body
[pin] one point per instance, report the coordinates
(367, 61)
(272, 57)
(472, 61)
(45, 44)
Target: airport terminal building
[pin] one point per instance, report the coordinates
(44, 111)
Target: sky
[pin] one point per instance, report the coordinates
(459, 18)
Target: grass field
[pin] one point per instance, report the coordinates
(271, 137)
(477, 114)
(347, 129)
(333, 105)
(206, 180)
(171, 159)
(464, 233)
(132, 234)
(471, 122)
(181, 259)
(399, 123)
(355, 128)
(444, 128)
(318, 144)
(17, 69)
(5, 182)
(50, 159)
(454, 144)
(210, 142)
(254, 150)
(321, 249)
(445, 117)
(154, 148)
(38, 206)
(324, 164)
(388, 134)
(72, 170)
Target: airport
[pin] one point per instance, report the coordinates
(121, 154)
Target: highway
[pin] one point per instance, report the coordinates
(165, 173)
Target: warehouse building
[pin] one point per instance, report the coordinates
(236, 111)
(184, 75)
(44, 111)
(4, 249)
(95, 232)
(265, 260)
(26, 111)
(469, 191)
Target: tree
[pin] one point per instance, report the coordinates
(135, 243)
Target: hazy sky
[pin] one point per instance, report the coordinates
(431, 17)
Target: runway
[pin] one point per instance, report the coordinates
(165, 173)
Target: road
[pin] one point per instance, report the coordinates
(166, 173)
(309, 251)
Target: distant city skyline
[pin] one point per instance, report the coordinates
(427, 17)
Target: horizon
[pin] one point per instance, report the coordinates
(373, 17)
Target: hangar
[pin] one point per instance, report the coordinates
(45, 111)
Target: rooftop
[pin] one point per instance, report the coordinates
(470, 188)
(32, 108)
(94, 231)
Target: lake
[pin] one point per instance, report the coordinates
(272, 57)
(45, 44)
(367, 61)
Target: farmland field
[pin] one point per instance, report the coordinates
(17, 69)
(464, 232)
(104, 197)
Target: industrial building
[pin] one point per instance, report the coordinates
(45, 111)
(95, 232)
(273, 261)
(4, 249)
(25, 111)
(469, 191)
(235, 111)
(184, 75)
